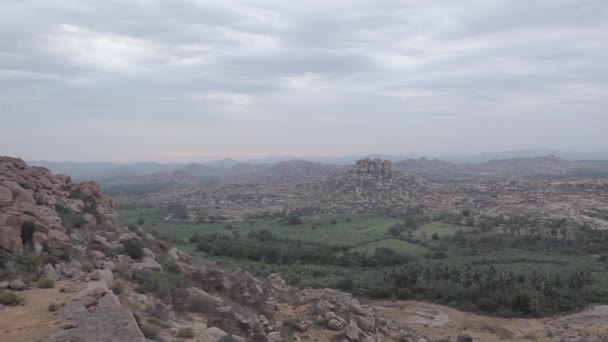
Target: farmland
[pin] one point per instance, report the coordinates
(523, 274)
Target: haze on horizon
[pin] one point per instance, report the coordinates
(198, 80)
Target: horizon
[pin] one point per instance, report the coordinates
(517, 153)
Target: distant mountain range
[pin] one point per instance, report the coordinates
(109, 170)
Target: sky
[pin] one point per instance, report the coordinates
(186, 80)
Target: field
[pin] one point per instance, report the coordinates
(398, 246)
(492, 271)
(442, 229)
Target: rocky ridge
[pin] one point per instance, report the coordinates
(31, 199)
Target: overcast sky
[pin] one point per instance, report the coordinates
(194, 80)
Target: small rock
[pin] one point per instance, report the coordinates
(464, 338)
(90, 301)
(54, 306)
(67, 288)
(69, 325)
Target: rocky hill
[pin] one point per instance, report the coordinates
(371, 185)
(32, 201)
(515, 167)
(283, 172)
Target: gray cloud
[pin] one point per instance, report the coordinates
(187, 79)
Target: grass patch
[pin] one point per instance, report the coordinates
(442, 229)
(398, 246)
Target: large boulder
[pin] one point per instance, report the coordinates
(6, 196)
(17, 285)
(10, 232)
(48, 271)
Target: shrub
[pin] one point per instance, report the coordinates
(227, 338)
(150, 330)
(117, 287)
(154, 320)
(10, 298)
(86, 267)
(334, 221)
(294, 220)
(46, 283)
(185, 333)
(134, 248)
(201, 304)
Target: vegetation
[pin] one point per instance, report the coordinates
(185, 333)
(150, 330)
(86, 267)
(134, 248)
(46, 283)
(515, 267)
(10, 298)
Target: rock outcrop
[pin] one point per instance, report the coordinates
(34, 205)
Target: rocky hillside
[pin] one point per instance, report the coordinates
(372, 185)
(283, 172)
(34, 204)
(514, 167)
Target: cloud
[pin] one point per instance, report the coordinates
(245, 76)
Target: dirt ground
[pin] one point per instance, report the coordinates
(438, 321)
(34, 320)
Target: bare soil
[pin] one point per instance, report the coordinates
(33, 321)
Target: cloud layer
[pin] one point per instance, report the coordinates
(188, 79)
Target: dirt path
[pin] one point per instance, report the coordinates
(34, 320)
(440, 321)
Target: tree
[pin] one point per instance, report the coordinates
(294, 220)
(141, 221)
(134, 248)
(435, 236)
(178, 210)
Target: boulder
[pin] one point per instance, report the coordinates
(17, 285)
(274, 336)
(193, 291)
(179, 255)
(147, 264)
(277, 282)
(96, 255)
(335, 324)
(6, 196)
(352, 331)
(48, 271)
(464, 338)
(148, 253)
